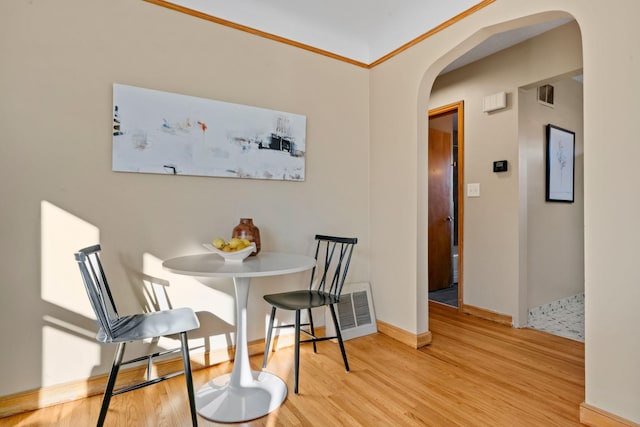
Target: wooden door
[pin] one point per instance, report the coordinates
(440, 210)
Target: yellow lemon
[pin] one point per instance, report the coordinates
(218, 243)
(234, 242)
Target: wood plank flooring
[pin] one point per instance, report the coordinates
(475, 373)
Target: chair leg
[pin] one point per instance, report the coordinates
(296, 364)
(108, 392)
(189, 377)
(267, 344)
(339, 336)
(313, 331)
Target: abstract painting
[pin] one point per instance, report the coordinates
(168, 133)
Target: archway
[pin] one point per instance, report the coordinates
(501, 239)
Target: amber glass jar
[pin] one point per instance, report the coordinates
(246, 230)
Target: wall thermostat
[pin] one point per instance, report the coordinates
(500, 166)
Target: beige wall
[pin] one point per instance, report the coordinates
(59, 61)
(400, 91)
(555, 231)
(494, 226)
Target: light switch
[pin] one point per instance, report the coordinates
(473, 190)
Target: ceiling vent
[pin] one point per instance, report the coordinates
(545, 95)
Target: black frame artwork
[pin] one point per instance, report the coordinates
(561, 150)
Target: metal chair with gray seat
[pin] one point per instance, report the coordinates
(333, 256)
(113, 328)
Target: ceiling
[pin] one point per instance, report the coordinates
(359, 30)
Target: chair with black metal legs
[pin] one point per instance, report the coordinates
(333, 256)
(113, 328)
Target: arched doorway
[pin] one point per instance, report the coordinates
(496, 235)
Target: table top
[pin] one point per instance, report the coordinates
(263, 264)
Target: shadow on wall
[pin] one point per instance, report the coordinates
(69, 326)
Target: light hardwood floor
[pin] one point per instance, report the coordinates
(475, 373)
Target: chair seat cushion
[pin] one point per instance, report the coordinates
(298, 300)
(151, 325)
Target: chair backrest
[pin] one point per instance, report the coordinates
(95, 282)
(333, 255)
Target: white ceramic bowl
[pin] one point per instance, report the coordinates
(237, 256)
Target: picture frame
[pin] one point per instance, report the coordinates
(560, 164)
(174, 134)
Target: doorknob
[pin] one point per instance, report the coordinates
(449, 219)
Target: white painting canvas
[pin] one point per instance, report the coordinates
(168, 133)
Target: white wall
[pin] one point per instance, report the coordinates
(59, 61)
(400, 99)
(555, 231)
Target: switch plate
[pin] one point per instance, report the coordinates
(473, 190)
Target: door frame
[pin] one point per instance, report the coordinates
(457, 107)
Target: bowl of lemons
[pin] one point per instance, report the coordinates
(234, 250)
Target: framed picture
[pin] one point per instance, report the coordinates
(169, 133)
(561, 147)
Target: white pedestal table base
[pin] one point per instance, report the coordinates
(219, 401)
(244, 394)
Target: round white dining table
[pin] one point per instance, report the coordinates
(244, 394)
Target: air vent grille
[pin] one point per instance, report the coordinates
(545, 95)
(354, 311)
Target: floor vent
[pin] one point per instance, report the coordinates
(355, 312)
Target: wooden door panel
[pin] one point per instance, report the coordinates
(440, 210)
